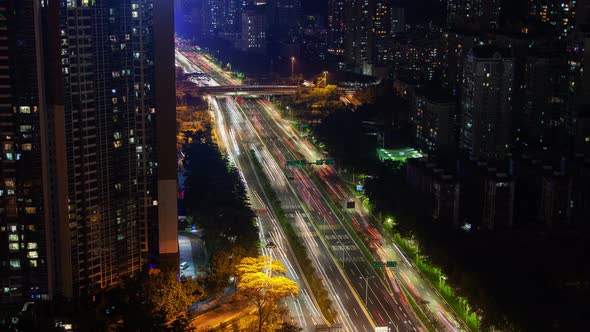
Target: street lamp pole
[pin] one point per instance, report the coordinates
(270, 246)
(325, 79)
(366, 278)
(292, 66)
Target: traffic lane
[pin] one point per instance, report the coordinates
(364, 326)
(305, 316)
(285, 196)
(380, 312)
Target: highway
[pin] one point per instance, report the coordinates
(313, 197)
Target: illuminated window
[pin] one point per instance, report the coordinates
(32, 245)
(134, 14)
(27, 147)
(32, 254)
(33, 262)
(24, 109)
(13, 246)
(117, 144)
(13, 237)
(30, 210)
(25, 128)
(15, 263)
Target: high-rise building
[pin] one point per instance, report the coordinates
(89, 194)
(222, 17)
(255, 29)
(359, 35)
(398, 20)
(558, 13)
(23, 183)
(486, 102)
(336, 26)
(545, 101)
(287, 18)
(434, 120)
(482, 15)
(383, 40)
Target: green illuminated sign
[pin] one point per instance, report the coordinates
(324, 162)
(295, 163)
(385, 264)
(378, 264)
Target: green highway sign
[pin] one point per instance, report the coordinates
(385, 264)
(378, 264)
(324, 162)
(295, 163)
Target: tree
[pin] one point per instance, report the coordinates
(148, 301)
(261, 280)
(223, 266)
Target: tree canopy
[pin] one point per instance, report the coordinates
(262, 282)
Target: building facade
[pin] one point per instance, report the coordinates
(255, 27)
(101, 105)
(486, 102)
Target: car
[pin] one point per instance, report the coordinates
(183, 265)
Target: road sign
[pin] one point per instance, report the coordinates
(385, 264)
(378, 264)
(324, 162)
(359, 187)
(295, 163)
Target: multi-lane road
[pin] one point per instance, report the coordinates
(313, 198)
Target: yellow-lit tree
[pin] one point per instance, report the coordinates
(261, 281)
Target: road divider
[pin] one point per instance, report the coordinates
(309, 273)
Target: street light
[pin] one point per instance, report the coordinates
(270, 246)
(441, 281)
(366, 278)
(292, 66)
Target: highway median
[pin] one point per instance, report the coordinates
(315, 282)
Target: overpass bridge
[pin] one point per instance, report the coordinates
(232, 90)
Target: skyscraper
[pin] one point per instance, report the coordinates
(359, 35)
(398, 20)
(483, 15)
(287, 18)
(255, 29)
(486, 102)
(336, 26)
(101, 99)
(222, 17)
(23, 244)
(557, 13)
